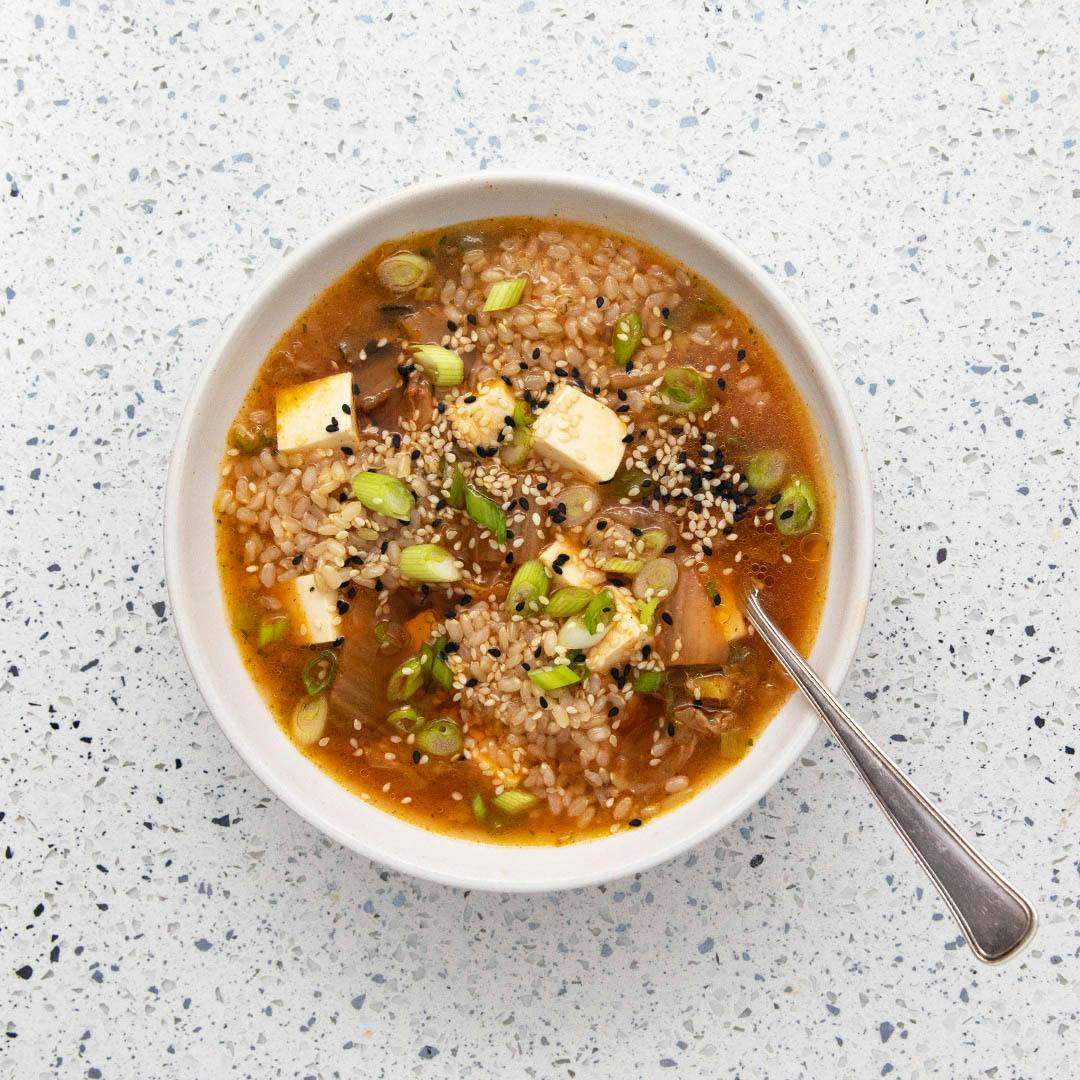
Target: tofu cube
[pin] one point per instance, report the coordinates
(625, 635)
(477, 417)
(581, 434)
(573, 570)
(316, 414)
(312, 611)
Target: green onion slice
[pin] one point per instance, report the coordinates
(626, 336)
(309, 720)
(577, 503)
(514, 801)
(440, 738)
(505, 294)
(599, 611)
(319, 671)
(646, 611)
(403, 271)
(648, 682)
(529, 584)
(407, 680)
(555, 677)
(391, 637)
(384, 494)
(683, 390)
(691, 311)
(272, 630)
(441, 675)
(632, 483)
(765, 470)
(657, 578)
(405, 719)
(629, 567)
(487, 514)
(479, 807)
(428, 562)
(796, 511)
(653, 542)
(442, 366)
(522, 415)
(567, 601)
(247, 439)
(514, 452)
(455, 488)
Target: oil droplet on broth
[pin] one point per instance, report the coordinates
(814, 547)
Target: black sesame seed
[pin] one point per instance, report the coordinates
(470, 319)
(451, 325)
(543, 702)
(599, 301)
(495, 652)
(297, 560)
(416, 755)
(666, 616)
(634, 823)
(741, 354)
(535, 356)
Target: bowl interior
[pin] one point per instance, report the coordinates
(197, 601)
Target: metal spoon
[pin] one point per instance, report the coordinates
(997, 921)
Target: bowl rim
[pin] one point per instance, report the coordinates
(850, 447)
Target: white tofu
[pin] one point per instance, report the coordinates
(477, 422)
(574, 569)
(315, 414)
(625, 635)
(313, 614)
(581, 434)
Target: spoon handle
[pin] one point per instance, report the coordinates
(997, 921)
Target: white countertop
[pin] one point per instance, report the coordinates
(909, 173)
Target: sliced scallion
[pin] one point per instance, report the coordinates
(455, 488)
(384, 494)
(441, 675)
(653, 542)
(514, 452)
(567, 601)
(646, 611)
(406, 719)
(487, 514)
(648, 682)
(440, 738)
(577, 503)
(796, 510)
(529, 584)
(555, 677)
(627, 567)
(442, 366)
(626, 336)
(319, 671)
(403, 271)
(272, 630)
(514, 801)
(599, 611)
(765, 470)
(505, 294)
(691, 311)
(658, 578)
(632, 483)
(428, 562)
(406, 681)
(575, 637)
(479, 807)
(391, 637)
(309, 720)
(683, 390)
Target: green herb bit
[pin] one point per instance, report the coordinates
(505, 294)
(599, 611)
(272, 630)
(530, 583)
(487, 514)
(567, 601)
(555, 677)
(796, 510)
(384, 494)
(428, 563)
(440, 738)
(455, 488)
(626, 336)
(442, 366)
(514, 801)
(319, 671)
(407, 680)
(648, 682)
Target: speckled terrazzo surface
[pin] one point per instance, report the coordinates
(909, 174)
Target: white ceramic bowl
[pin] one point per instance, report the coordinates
(191, 568)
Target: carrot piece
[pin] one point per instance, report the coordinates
(419, 627)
